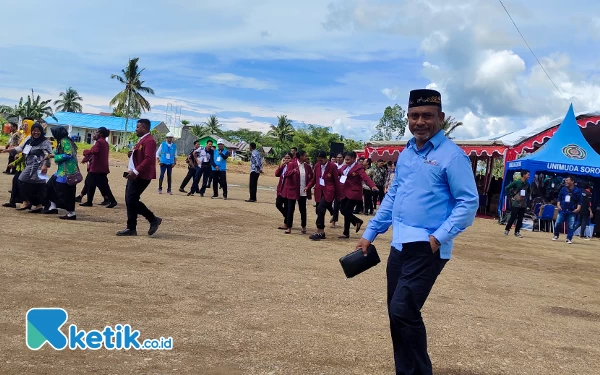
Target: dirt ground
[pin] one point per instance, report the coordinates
(240, 297)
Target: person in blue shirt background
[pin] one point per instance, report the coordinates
(219, 168)
(166, 154)
(569, 205)
(432, 199)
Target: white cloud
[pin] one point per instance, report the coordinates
(233, 80)
(392, 93)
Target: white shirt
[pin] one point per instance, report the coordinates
(130, 165)
(302, 179)
(340, 166)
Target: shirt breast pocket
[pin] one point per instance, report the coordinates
(431, 177)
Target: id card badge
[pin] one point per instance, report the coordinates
(27, 149)
(343, 179)
(553, 185)
(168, 156)
(568, 199)
(523, 192)
(321, 181)
(218, 160)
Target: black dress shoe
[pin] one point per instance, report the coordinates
(24, 208)
(36, 211)
(112, 205)
(343, 236)
(78, 198)
(359, 225)
(126, 232)
(50, 212)
(181, 190)
(86, 204)
(10, 205)
(250, 200)
(67, 217)
(105, 203)
(154, 226)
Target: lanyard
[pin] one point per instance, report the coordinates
(345, 173)
(323, 167)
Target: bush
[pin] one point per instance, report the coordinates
(4, 138)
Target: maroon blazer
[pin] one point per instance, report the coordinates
(332, 189)
(353, 186)
(144, 158)
(98, 157)
(291, 182)
(279, 173)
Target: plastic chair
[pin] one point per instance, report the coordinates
(547, 215)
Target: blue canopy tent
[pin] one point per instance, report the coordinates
(567, 153)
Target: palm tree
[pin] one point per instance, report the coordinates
(36, 108)
(449, 125)
(199, 131)
(212, 125)
(69, 101)
(130, 101)
(283, 131)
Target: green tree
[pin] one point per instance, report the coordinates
(244, 135)
(130, 102)
(69, 101)
(199, 131)
(284, 130)
(392, 124)
(185, 122)
(212, 125)
(34, 108)
(449, 126)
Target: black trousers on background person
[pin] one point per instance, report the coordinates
(321, 210)
(135, 207)
(253, 185)
(583, 222)
(15, 193)
(291, 208)
(201, 172)
(99, 180)
(190, 175)
(368, 198)
(219, 178)
(335, 214)
(516, 213)
(32, 192)
(347, 209)
(281, 204)
(411, 274)
(378, 197)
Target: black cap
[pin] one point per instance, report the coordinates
(423, 97)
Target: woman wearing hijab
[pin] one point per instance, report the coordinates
(33, 176)
(59, 193)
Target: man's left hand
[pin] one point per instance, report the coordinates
(434, 244)
(131, 175)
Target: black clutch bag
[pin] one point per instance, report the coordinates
(356, 263)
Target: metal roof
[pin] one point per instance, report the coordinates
(93, 121)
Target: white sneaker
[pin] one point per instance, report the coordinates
(569, 242)
(555, 238)
(587, 239)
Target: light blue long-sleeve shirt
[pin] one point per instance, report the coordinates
(433, 193)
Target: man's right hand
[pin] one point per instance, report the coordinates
(363, 244)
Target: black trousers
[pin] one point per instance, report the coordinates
(368, 199)
(253, 184)
(358, 206)
(281, 204)
(190, 175)
(516, 213)
(219, 178)
(86, 185)
(291, 208)
(15, 193)
(411, 274)
(99, 180)
(11, 158)
(135, 207)
(63, 195)
(205, 172)
(347, 209)
(32, 192)
(335, 215)
(321, 210)
(378, 197)
(583, 223)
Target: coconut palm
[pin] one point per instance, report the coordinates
(34, 108)
(69, 101)
(283, 131)
(449, 125)
(212, 125)
(199, 131)
(131, 101)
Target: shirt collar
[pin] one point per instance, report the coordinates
(435, 141)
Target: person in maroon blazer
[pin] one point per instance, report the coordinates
(98, 169)
(281, 202)
(352, 177)
(141, 170)
(295, 179)
(327, 190)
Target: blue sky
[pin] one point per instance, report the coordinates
(331, 63)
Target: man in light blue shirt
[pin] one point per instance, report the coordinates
(219, 169)
(432, 199)
(166, 155)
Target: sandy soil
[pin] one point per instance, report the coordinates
(240, 297)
